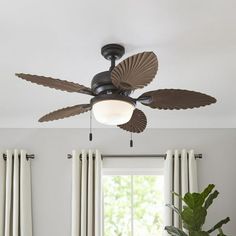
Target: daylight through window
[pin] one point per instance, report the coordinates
(133, 205)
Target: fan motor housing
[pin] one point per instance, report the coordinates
(101, 83)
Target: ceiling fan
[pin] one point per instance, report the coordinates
(111, 103)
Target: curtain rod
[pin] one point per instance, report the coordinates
(199, 156)
(28, 156)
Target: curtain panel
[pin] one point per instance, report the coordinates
(86, 193)
(180, 174)
(15, 194)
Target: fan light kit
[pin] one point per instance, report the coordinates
(111, 103)
(112, 110)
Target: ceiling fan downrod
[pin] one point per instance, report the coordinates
(112, 52)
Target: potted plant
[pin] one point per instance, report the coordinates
(193, 215)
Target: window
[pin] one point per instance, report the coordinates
(133, 200)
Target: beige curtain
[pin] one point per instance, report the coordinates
(86, 193)
(15, 194)
(180, 176)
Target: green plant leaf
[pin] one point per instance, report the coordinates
(207, 190)
(189, 200)
(219, 225)
(193, 200)
(199, 199)
(175, 231)
(193, 219)
(210, 199)
(194, 213)
(176, 210)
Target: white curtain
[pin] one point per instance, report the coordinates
(15, 194)
(180, 176)
(86, 193)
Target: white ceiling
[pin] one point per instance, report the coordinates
(195, 42)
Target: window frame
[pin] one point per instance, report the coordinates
(135, 166)
(130, 166)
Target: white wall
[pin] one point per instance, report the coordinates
(51, 170)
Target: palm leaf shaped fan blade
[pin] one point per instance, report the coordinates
(135, 72)
(66, 112)
(55, 83)
(175, 99)
(136, 124)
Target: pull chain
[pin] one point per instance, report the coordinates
(90, 127)
(131, 143)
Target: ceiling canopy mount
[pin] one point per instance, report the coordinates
(113, 51)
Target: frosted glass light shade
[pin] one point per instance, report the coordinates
(113, 112)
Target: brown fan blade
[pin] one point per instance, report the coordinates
(137, 123)
(135, 72)
(56, 83)
(66, 112)
(175, 99)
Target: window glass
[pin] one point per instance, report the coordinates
(133, 205)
